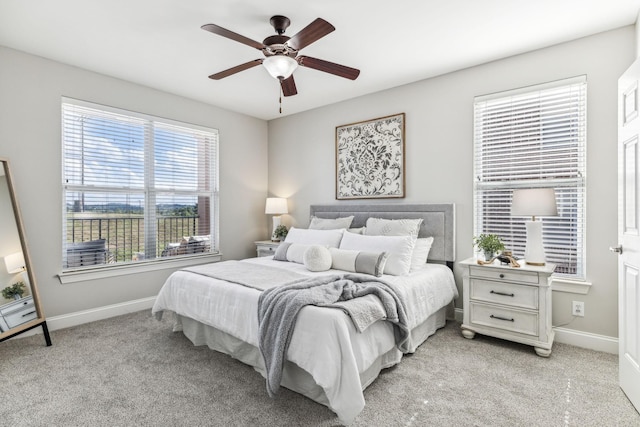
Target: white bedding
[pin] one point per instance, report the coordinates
(325, 342)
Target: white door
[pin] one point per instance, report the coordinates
(629, 232)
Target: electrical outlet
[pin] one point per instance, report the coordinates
(578, 308)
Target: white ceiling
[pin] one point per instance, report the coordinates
(159, 43)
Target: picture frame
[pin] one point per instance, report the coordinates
(370, 161)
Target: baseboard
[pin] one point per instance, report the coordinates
(86, 316)
(587, 340)
(562, 335)
(572, 337)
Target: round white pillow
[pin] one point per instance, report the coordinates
(317, 258)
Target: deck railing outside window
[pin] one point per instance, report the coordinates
(124, 235)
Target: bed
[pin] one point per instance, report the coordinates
(328, 359)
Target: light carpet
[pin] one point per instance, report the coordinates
(132, 370)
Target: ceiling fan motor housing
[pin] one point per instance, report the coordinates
(279, 23)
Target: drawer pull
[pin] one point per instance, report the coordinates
(501, 276)
(28, 314)
(502, 293)
(502, 318)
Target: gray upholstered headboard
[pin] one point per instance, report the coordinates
(439, 221)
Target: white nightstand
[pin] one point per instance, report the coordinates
(266, 247)
(509, 303)
(16, 313)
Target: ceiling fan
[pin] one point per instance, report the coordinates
(281, 52)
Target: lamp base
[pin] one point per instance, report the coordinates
(276, 223)
(534, 252)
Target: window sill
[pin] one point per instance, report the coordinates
(570, 286)
(104, 272)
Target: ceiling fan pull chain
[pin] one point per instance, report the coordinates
(280, 97)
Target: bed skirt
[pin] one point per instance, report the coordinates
(294, 377)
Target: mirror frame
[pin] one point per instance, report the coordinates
(40, 318)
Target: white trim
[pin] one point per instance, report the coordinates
(565, 336)
(141, 267)
(536, 87)
(570, 286)
(587, 340)
(100, 313)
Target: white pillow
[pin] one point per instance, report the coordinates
(296, 251)
(317, 258)
(421, 253)
(329, 238)
(358, 261)
(393, 227)
(330, 223)
(400, 249)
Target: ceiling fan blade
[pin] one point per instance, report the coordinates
(328, 67)
(288, 87)
(213, 28)
(236, 69)
(309, 34)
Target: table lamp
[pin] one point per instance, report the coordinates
(15, 264)
(534, 202)
(276, 206)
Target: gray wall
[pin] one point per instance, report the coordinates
(439, 151)
(30, 94)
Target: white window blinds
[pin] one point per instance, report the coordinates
(529, 138)
(135, 187)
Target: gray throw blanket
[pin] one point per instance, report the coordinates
(278, 308)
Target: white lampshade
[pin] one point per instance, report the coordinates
(534, 202)
(280, 66)
(276, 206)
(14, 263)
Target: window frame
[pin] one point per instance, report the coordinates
(73, 274)
(570, 186)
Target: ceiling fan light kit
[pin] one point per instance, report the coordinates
(279, 66)
(282, 52)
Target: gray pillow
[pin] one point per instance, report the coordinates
(330, 223)
(281, 252)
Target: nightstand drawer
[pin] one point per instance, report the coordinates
(504, 274)
(266, 251)
(507, 319)
(20, 314)
(504, 293)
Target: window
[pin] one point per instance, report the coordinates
(135, 187)
(528, 138)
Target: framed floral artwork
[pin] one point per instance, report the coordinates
(370, 159)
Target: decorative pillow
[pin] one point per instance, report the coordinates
(281, 251)
(292, 252)
(359, 262)
(330, 223)
(393, 227)
(317, 258)
(329, 238)
(296, 251)
(421, 253)
(400, 249)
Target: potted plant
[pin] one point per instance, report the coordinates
(489, 244)
(14, 291)
(280, 233)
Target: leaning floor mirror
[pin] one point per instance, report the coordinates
(20, 308)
